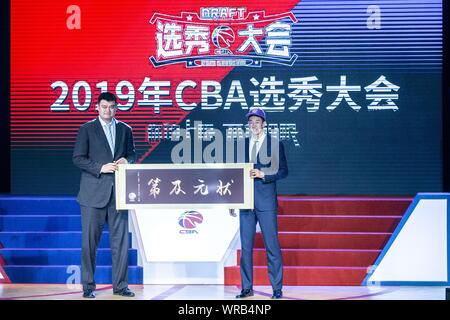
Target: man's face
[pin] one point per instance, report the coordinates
(107, 110)
(256, 125)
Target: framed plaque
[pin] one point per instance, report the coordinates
(202, 185)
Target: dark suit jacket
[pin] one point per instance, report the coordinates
(91, 152)
(272, 161)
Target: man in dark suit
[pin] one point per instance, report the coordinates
(267, 153)
(101, 145)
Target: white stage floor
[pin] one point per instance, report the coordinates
(219, 292)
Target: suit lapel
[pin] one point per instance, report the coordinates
(119, 135)
(101, 133)
(247, 146)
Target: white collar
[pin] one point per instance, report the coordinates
(103, 123)
(260, 139)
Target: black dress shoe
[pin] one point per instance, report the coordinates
(89, 293)
(277, 294)
(125, 293)
(245, 293)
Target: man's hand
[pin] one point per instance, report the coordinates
(109, 168)
(121, 161)
(255, 173)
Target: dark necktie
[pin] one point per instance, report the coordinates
(254, 152)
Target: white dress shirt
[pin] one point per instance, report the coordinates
(106, 131)
(252, 142)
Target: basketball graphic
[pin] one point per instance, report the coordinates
(222, 37)
(190, 219)
(132, 196)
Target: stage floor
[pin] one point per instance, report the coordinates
(219, 292)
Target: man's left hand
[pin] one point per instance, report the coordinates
(255, 173)
(121, 161)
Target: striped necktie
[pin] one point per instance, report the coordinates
(110, 137)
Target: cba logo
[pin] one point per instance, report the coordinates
(222, 37)
(132, 197)
(189, 221)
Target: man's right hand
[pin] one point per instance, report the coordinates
(109, 168)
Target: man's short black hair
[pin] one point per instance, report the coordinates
(108, 96)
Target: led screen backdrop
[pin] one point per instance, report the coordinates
(353, 88)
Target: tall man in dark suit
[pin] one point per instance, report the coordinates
(267, 153)
(101, 145)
